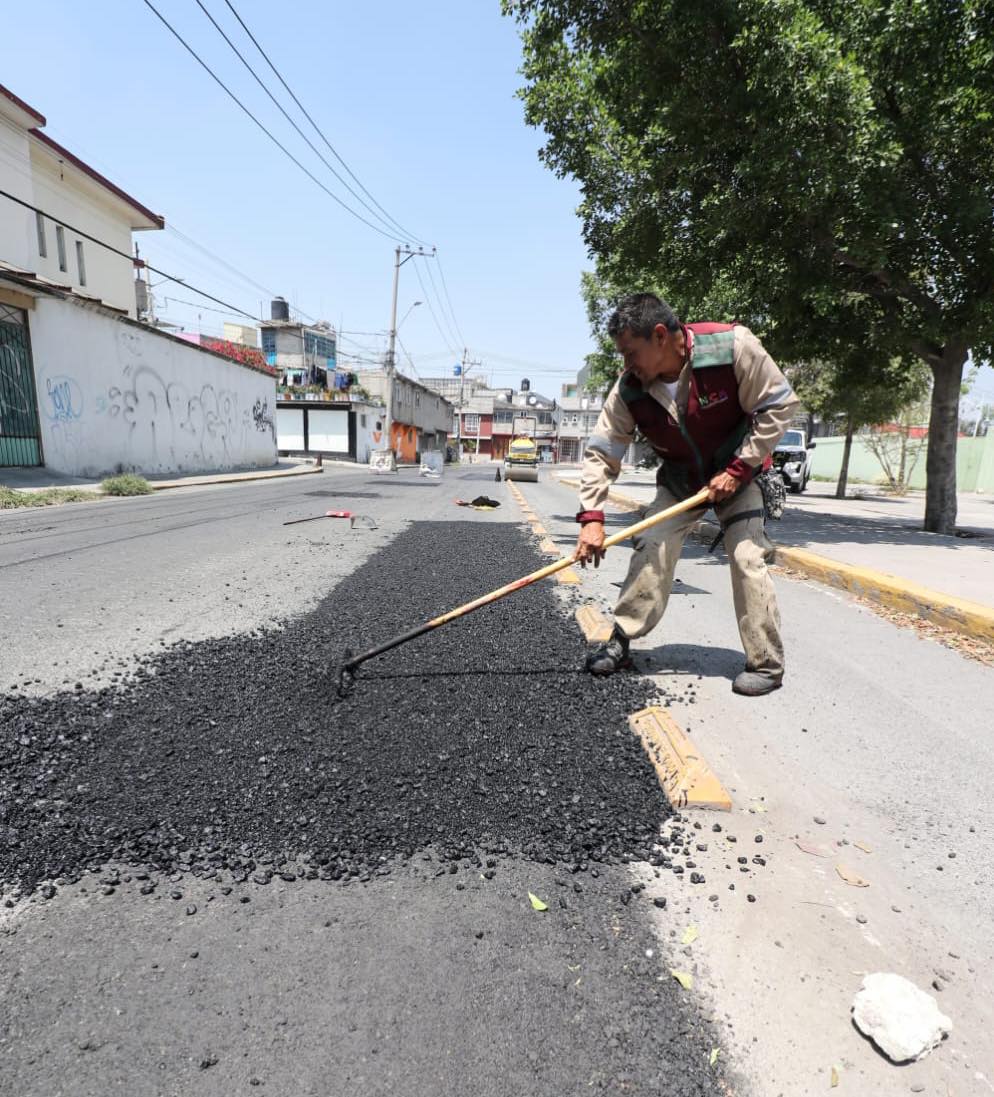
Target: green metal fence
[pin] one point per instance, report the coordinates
(20, 442)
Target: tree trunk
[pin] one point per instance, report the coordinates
(943, 426)
(840, 487)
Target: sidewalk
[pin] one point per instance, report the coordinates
(873, 545)
(39, 479)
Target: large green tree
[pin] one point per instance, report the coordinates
(831, 159)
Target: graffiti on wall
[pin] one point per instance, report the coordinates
(64, 399)
(263, 419)
(144, 421)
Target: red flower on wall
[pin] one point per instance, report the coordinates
(247, 356)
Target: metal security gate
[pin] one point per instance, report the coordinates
(20, 442)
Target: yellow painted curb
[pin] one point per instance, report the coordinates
(547, 546)
(685, 777)
(567, 575)
(595, 625)
(957, 614)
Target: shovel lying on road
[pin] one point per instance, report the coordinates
(362, 519)
(346, 673)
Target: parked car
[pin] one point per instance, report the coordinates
(792, 458)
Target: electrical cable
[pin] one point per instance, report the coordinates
(452, 311)
(279, 106)
(427, 301)
(409, 358)
(125, 255)
(276, 141)
(317, 129)
(441, 306)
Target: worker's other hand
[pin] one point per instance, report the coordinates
(590, 544)
(723, 486)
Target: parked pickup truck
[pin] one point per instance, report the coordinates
(792, 458)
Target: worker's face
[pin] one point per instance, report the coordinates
(660, 357)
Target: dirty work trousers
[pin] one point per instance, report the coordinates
(646, 589)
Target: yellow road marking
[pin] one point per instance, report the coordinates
(686, 778)
(596, 625)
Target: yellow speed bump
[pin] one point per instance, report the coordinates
(686, 778)
(595, 625)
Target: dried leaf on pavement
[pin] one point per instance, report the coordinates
(863, 846)
(685, 979)
(537, 903)
(809, 847)
(835, 1077)
(689, 935)
(713, 1057)
(852, 878)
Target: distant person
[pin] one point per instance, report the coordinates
(713, 405)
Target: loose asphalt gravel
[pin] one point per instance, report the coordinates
(231, 764)
(236, 755)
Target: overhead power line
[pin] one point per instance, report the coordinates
(276, 141)
(441, 308)
(452, 311)
(385, 221)
(427, 301)
(317, 129)
(124, 255)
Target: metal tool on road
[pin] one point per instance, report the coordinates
(361, 519)
(347, 671)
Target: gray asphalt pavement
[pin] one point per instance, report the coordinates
(187, 978)
(882, 736)
(875, 755)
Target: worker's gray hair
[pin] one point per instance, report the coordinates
(639, 313)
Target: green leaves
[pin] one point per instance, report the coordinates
(824, 169)
(536, 902)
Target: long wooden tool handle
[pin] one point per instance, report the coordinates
(543, 573)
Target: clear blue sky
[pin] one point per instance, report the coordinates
(419, 99)
(420, 102)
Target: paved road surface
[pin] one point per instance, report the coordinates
(385, 987)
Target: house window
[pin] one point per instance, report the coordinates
(268, 341)
(472, 423)
(80, 264)
(362, 420)
(60, 240)
(42, 243)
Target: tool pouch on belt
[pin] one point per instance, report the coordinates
(774, 493)
(774, 500)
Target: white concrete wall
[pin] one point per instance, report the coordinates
(117, 397)
(367, 437)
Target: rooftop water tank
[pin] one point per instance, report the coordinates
(525, 384)
(279, 309)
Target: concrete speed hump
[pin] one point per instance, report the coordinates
(685, 776)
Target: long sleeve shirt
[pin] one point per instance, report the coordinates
(763, 392)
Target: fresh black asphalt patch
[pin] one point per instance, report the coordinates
(237, 754)
(480, 746)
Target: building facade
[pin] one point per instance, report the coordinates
(303, 353)
(576, 418)
(85, 389)
(421, 418)
(67, 207)
(514, 405)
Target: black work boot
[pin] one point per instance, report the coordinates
(754, 683)
(609, 656)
